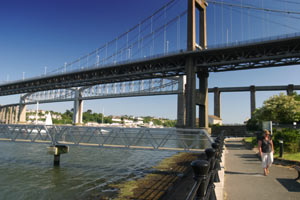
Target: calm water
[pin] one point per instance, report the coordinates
(27, 172)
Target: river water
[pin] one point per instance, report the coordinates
(27, 172)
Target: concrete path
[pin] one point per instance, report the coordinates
(244, 179)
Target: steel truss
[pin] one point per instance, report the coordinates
(167, 139)
(162, 86)
(276, 53)
(273, 53)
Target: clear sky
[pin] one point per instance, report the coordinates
(39, 33)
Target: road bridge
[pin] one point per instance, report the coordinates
(15, 113)
(196, 61)
(281, 51)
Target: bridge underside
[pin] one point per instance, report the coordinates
(275, 53)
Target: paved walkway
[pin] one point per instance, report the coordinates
(244, 179)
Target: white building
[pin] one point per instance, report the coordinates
(212, 120)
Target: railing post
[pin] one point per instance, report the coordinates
(216, 146)
(200, 169)
(280, 148)
(211, 158)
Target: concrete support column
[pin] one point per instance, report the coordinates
(252, 99)
(57, 150)
(203, 107)
(16, 114)
(190, 94)
(1, 115)
(80, 113)
(6, 115)
(217, 102)
(78, 107)
(13, 114)
(22, 113)
(290, 89)
(10, 115)
(181, 113)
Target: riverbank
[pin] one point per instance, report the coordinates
(172, 174)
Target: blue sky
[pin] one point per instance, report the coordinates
(39, 33)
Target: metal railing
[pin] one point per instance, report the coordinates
(165, 139)
(206, 173)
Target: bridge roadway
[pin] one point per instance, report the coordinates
(280, 51)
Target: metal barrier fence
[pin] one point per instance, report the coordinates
(168, 139)
(206, 172)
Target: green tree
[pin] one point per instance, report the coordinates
(170, 123)
(157, 122)
(279, 108)
(147, 119)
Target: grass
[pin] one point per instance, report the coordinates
(289, 156)
(286, 156)
(251, 140)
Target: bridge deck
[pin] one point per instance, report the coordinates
(273, 53)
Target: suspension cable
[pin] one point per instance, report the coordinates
(255, 8)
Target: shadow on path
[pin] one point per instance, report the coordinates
(244, 178)
(290, 184)
(234, 146)
(244, 173)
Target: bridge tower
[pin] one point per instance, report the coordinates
(192, 98)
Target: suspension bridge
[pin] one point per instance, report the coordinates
(165, 52)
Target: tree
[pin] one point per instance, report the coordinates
(279, 108)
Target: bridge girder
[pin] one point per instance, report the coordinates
(252, 56)
(273, 53)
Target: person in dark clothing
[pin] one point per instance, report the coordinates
(266, 150)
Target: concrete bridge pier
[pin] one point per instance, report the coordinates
(252, 99)
(2, 115)
(190, 68)
(57, 150)
(190, 105)
(181, 105)
(16, 120)
(22, 114)
(10, 118)
(217, 102)
(6, 115)
(290, 89)
(78, 107)
(203, 99)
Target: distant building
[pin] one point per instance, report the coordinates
(116, 120)
(212, 120)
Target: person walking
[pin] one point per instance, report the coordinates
(266, 150)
